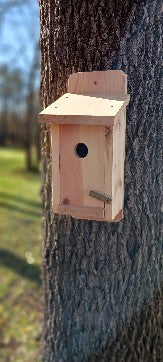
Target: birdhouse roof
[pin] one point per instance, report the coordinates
(89, 109)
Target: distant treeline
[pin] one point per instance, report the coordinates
(19, 108)
(12, 130)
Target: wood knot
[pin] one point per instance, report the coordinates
(66, 201)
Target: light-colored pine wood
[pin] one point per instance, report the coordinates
(118, 217)
(93, 166)
(118, 164)
(55, 167)
(102, 109)
(71, 180)
(108, 156)
(88, 213)
(82, 212)
(79, 175)
(109, 81)
(93, 113)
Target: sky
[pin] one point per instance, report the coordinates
(19, 32)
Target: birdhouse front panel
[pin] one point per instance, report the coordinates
(81, 150)
(81, 168)
(88, 146)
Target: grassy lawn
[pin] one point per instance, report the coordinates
(20, 258)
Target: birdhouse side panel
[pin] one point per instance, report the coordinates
(108, 170)
(118, 164)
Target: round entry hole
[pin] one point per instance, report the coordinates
(81, 150)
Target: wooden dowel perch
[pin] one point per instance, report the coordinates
(100, 196)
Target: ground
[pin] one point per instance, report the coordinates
(20, 259)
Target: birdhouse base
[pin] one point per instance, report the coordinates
(88, 213)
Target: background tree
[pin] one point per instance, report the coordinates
(12, 96)
(32, 107)
(102, 280)
(20, 54)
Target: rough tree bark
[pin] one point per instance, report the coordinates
(102, 280)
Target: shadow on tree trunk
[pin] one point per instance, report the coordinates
(138, 340)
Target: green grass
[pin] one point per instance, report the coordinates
(20, 259)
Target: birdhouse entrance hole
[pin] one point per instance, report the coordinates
(81, 150)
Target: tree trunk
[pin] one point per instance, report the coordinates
(102, 280)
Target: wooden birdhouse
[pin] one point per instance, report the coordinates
(88, 146)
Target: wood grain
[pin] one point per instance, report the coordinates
(83, 212)
(98, 109)
(118, 164)
(108, 157)
(78, 175)
(103, 168)
(109, 81)
(55, 167)
(71, 175)
(93, 166)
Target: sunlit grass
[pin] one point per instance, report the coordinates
(20, 258)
